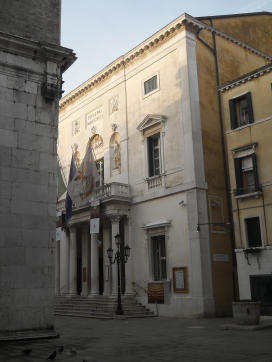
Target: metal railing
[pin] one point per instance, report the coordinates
(114, 189)
(247, 190)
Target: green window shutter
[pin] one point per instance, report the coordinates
(255, 172)
(61, 185)
(238, 175)
(233, 114)
(249, 108)
(150, 156)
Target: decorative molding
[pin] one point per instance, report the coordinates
(113, 127)
(151, 120)
(114, 105)
(165, 224)
(72, 228)
(93, 130)
(184, 22)
(114, 218)
(127, 220)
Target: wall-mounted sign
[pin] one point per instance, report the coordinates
(94, 116)
(180, 282)
(94, 226)
(58, 233)
(220, 257)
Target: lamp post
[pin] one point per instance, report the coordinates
(118, 258)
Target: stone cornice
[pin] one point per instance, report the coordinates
(246, 77)
(185, 21)
(35, 50)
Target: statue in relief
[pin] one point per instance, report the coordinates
(117, 155)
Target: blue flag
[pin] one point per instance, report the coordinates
(68, 200)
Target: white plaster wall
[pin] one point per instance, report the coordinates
(245, 270)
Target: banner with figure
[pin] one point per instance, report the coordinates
(83, 183)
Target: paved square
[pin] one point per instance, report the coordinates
(145, 339)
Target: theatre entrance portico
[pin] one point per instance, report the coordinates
(87, 270)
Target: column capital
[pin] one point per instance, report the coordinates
(72, 228)
(114, 217)
(127, 220)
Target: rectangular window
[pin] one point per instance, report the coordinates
(100, 170)
(159, 257)
(253, 231)
(246, 175)
(154, 155)
(261, 290)
(150, 85)
(241, 112)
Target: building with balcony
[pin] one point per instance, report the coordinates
(247, 110)
(153, 117)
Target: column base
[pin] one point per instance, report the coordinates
(106, 295)
(129, 294)
(71, 295)
(94, 295)
(114, 295)
(57, 294)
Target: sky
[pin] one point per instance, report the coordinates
(101, 31)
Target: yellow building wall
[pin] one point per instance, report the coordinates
(233, 61)
(253, 30)
(260, 132)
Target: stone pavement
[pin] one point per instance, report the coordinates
(145, 339)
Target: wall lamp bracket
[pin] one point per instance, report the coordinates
(226, 225)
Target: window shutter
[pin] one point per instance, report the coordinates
(255, 171)
(233, 114)
(150, 156)
(249, 108)
(238, 175)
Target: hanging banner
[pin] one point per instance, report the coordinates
(94, 226)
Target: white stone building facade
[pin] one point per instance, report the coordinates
(142, 115)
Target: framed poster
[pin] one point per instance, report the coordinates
(180, 281)
(156, 293)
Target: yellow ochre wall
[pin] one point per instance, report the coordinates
(260, 131)
(233, 61)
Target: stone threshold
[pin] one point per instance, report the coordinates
(28, 335)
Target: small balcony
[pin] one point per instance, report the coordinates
(254, 190)
(155, 182)
(113, 191)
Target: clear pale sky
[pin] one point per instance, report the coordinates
(101, 31)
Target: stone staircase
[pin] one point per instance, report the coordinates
(103, 308)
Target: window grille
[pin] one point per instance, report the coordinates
(150, 85)
(159, 257)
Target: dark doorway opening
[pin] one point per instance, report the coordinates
(261, 290)
(100, 253)
(79, 261)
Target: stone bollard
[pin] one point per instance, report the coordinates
(246, 312)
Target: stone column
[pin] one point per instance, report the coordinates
(114, 218)
(128, 271)
(85, 264)
(106, 262)
(67, 261)
(73, 263)
(94, 266)
(57, 268)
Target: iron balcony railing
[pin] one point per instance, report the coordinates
(247, 190)
(114, 189)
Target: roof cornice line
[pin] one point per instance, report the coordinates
(246, 77)
(238, 42)
(185, 21)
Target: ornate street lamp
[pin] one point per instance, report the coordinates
(118, 258)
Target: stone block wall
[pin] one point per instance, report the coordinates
(31, 19)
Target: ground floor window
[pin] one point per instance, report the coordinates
(253, 232)
(159, 257)
(261, 290)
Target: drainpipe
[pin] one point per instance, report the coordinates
(214, 51)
